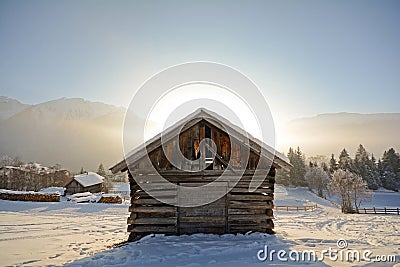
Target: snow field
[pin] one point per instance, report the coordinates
(81, 235)
(40, 234)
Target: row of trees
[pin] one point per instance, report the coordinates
(384, 172)
(348, 178)
(6, 160)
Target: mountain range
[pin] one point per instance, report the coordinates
(78, 133)
(72, 132)
(325, 134)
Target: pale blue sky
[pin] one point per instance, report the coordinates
(308, 57)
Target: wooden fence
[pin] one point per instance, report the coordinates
(296, 208)
(374, 210)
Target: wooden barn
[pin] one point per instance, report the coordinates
(86, 182)
(237, 211)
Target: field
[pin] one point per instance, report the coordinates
(83, 235)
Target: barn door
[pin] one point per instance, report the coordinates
(210, 218)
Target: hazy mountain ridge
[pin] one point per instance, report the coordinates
(79, 133)
(67, 109)
(71, 131)
(10, 107)
(329, 133)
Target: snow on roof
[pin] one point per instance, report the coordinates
(261, 148)
(53, 189)
(88, 179)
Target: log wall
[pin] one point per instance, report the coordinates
(239, 211)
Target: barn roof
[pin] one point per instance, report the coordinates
(88, 179)
(266, 151)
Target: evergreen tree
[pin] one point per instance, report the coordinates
(389, 168)
(298, 171)
(345, 162)
(366, 168)
(325, 167)
(101, 171)
(333, 165)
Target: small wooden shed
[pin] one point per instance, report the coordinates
(237, 211)
(86, 182)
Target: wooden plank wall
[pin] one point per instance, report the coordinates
(239, 211)
(251, 211)
(149, 215)
(190, 138)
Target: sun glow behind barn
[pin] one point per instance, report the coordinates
(179, 102)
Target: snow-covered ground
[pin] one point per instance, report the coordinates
(78, 234)
(38, 233)
(382, 199)
(321, 228)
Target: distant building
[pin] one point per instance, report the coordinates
(87, 182)
(32, 177)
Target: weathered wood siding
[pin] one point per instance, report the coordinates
(74, 187)
(188, 140)
(239, 211)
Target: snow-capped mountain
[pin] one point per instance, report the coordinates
(10, 107)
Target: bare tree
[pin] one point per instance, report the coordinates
(351, 189)
(317, 178)
(6, 161)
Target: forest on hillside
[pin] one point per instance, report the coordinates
(383, 172)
